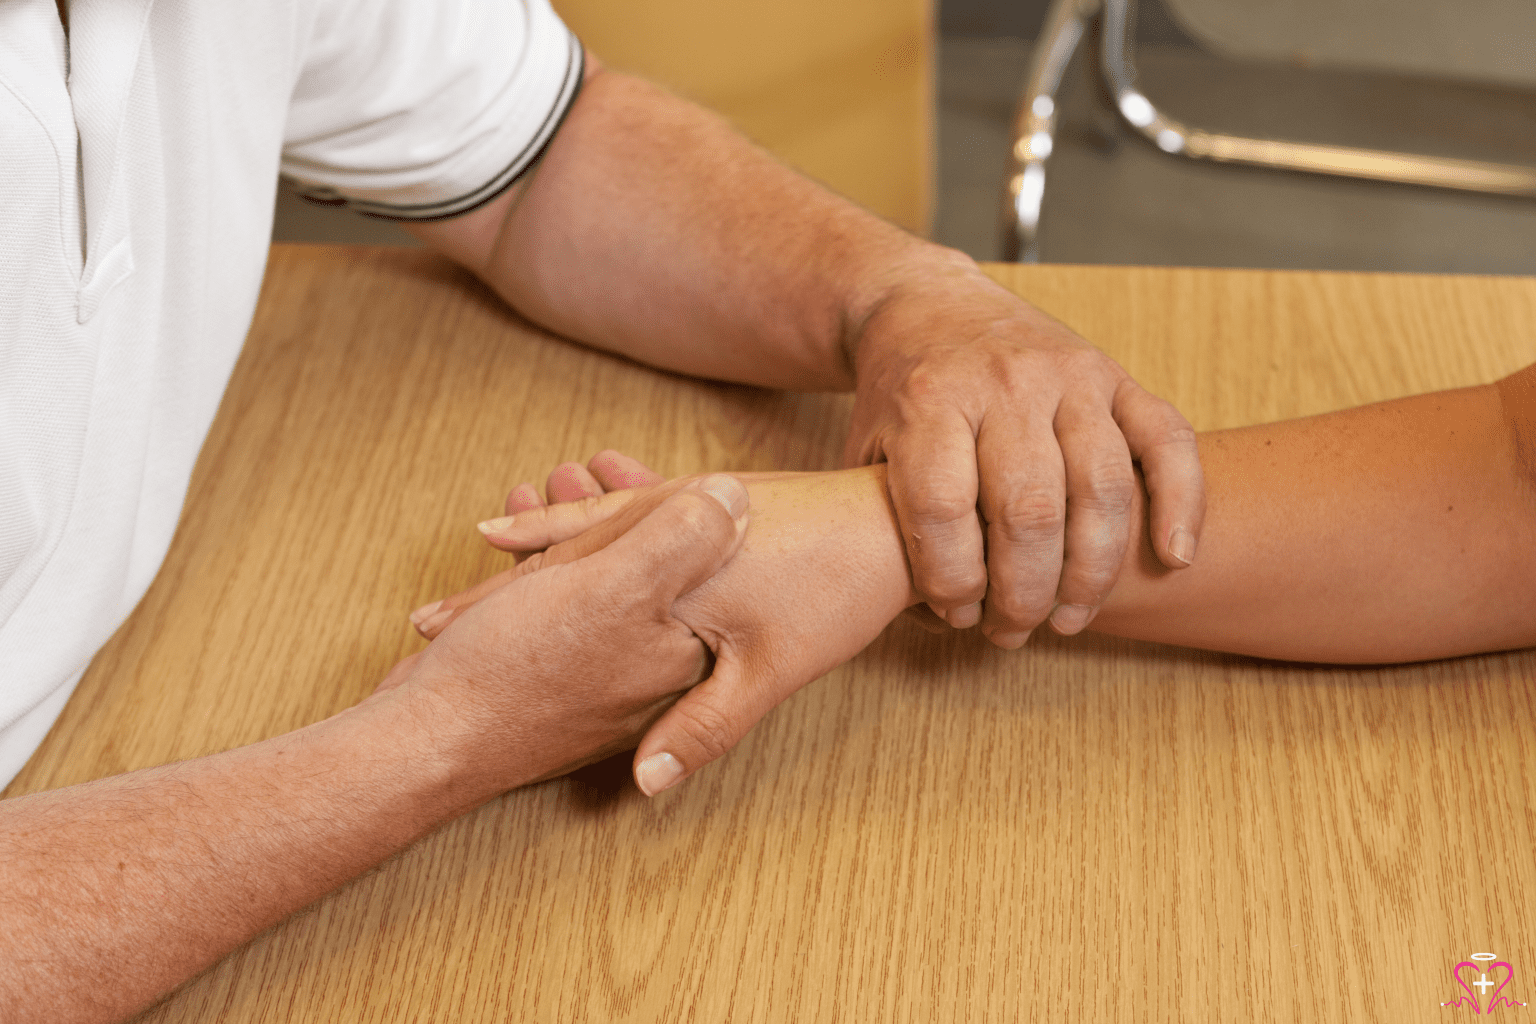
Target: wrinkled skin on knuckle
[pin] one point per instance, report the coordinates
(1015, 374)
(1176, 434)
(935, 498)
(707, 726)
(1007, 380)
(586, 507)
(927, 396)
(927, 383)
(1088, 365)
(952, 585)
(939, 376)
(1090, 575)
(1109, 489)
(1032, 519)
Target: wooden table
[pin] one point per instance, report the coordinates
(1090, 830)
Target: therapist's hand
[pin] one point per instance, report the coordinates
(573, 659)
(1010, 442)
(820, 573)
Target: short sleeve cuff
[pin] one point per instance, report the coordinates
(442, 141)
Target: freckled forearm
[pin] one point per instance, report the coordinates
(1393, 532)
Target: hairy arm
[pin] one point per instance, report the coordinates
(114, 892)
(653, 229)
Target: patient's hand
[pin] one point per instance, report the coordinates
(821, 572)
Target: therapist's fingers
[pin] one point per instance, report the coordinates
(625, 510)
(616, 471)
(1101, 486)
(570, 481)
(1023, 500)
(1161, 439)
(933, 484)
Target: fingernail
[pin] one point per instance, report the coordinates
(658, 772)
(730, 493)
(1181, 545)
(435, 621)
(1010, 641)
(1069, 619)
(491, 526)
(966, 617)
(420, 614)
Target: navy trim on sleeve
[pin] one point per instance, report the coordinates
(570, 88)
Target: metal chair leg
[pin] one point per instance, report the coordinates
(1034, 127)
(1184, 140)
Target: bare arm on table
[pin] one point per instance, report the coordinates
(114, 892)
(653, 229)
(1394, 532)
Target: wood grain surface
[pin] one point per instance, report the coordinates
(1091, 829)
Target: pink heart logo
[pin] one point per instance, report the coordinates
(1493, 1004)
(1467, 983)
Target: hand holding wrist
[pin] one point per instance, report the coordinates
(1011, 443)
(819, 575)
(568, 663)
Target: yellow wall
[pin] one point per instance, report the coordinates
(841, 89)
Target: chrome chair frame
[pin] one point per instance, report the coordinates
(1036, 123)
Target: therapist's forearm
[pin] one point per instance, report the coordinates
(1393, 532)
(114, 892)
(654, 229)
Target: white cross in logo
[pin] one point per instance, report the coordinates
(1483, 985)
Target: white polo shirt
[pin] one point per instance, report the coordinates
(138, 164)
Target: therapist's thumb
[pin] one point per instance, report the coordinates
(705, 724)
(678, 545)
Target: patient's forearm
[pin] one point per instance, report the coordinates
(1393, 532)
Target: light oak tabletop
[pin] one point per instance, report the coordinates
(1088, 829)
